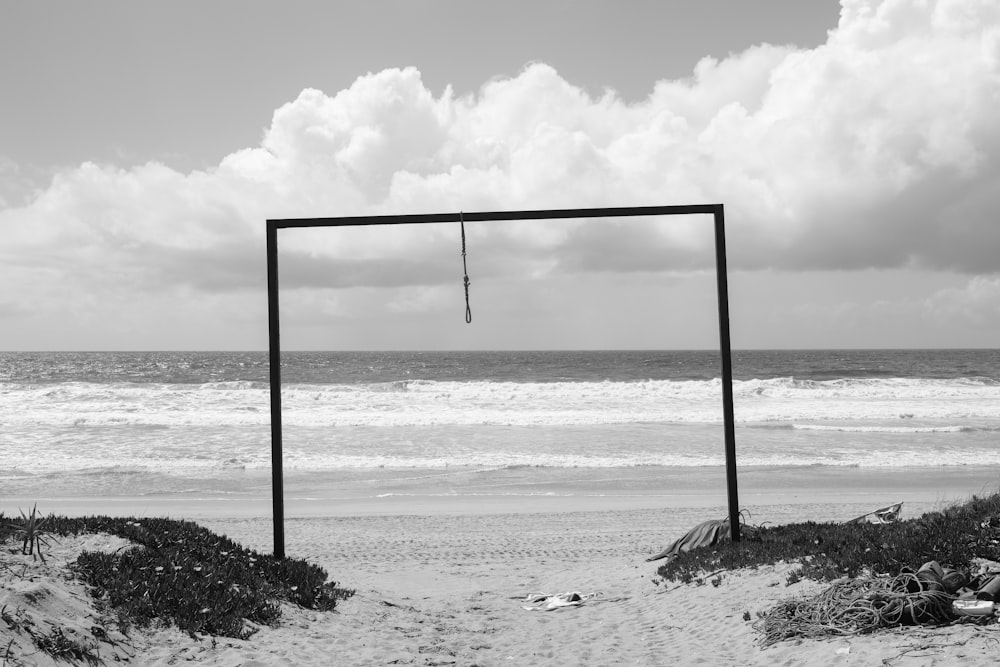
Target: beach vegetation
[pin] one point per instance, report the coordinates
(828, 551)
(55, 642)
(61, 647)
(31, 531)
(180, 573)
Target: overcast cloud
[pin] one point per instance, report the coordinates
(876, 150)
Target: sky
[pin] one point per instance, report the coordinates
(854, 147)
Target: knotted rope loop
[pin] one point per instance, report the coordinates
(465, 270)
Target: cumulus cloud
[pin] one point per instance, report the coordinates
(877, 149)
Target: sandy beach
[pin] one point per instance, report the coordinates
(446, 583)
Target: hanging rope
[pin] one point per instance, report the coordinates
(465, 270)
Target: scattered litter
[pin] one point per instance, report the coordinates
(889, 514)
(543, 602)
(705, 534)
(991, 590)
(972, 607)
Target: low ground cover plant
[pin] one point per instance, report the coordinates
(827, 551)
(182, 573)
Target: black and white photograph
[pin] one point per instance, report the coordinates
(535, 332)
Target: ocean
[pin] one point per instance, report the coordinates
(379, 424)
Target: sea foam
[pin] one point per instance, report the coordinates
(421, 402)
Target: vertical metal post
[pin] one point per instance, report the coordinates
(727, 371)
(274, 365)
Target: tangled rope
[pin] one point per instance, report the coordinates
(857, 606)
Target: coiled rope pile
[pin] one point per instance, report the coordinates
(857, 606)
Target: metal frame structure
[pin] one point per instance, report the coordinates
(715, 210)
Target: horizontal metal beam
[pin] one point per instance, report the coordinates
(481, 216)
